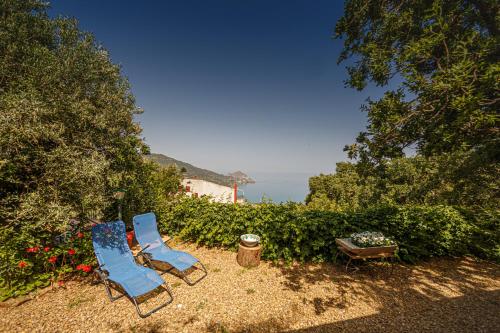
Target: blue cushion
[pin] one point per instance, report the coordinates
(146, 233)
(114, 255)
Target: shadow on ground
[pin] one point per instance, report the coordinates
(411, 299)
(475, 312)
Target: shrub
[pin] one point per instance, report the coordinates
(23, 269)
(290, 231)
(29, 262)
(67, 140)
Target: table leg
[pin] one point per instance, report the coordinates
(348, 262)
(336, 255)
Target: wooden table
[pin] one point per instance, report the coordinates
(345, 246)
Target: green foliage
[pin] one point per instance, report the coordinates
(485, 238)
(147, 189)
(67, 135)
(67, 140)
(344, 190)
(445, 54)
(151, 189)
(406, 180)
(292, 231)
(29, 262)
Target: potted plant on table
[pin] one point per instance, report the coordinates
(371, 239)
(367, 243)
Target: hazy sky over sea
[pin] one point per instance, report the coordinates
(229, 85)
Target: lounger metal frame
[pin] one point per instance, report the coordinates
(147, 258)
(103, 275)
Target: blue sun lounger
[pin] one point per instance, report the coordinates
(118, 269)
(154, 249)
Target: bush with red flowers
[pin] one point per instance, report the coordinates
(40, 262)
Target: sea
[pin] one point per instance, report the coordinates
(276, 187)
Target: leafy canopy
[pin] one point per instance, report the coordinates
(67, 134)
(442, 56)
(446, 55)
(67, 139)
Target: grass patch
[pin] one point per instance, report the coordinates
(75, 302)
(242, 271)
(250, 291)
(201, 305)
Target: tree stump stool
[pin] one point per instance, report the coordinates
(249, 256)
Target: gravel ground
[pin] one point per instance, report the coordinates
(443, 295)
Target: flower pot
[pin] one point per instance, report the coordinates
(130, 238)
(347, 244)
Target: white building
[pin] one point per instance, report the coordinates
(199, 187)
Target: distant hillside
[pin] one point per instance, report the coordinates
(192, 171)
(241, 177)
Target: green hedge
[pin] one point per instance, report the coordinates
(291, 231)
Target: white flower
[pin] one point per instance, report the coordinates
(370, 239)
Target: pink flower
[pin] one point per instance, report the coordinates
(22, 264)
(60, 283)
(46, 249)
(71, 252)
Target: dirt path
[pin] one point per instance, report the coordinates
(444, 295)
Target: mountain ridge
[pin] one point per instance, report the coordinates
(192, 171)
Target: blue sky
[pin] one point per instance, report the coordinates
(233, 85)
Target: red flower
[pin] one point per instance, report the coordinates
(46, 249)
(53, 259)
(71, 252)
(84, 268)
(80, 235)
(60, 283)
(22, 264)
(33, 249)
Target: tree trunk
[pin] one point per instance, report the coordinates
(248, 256)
